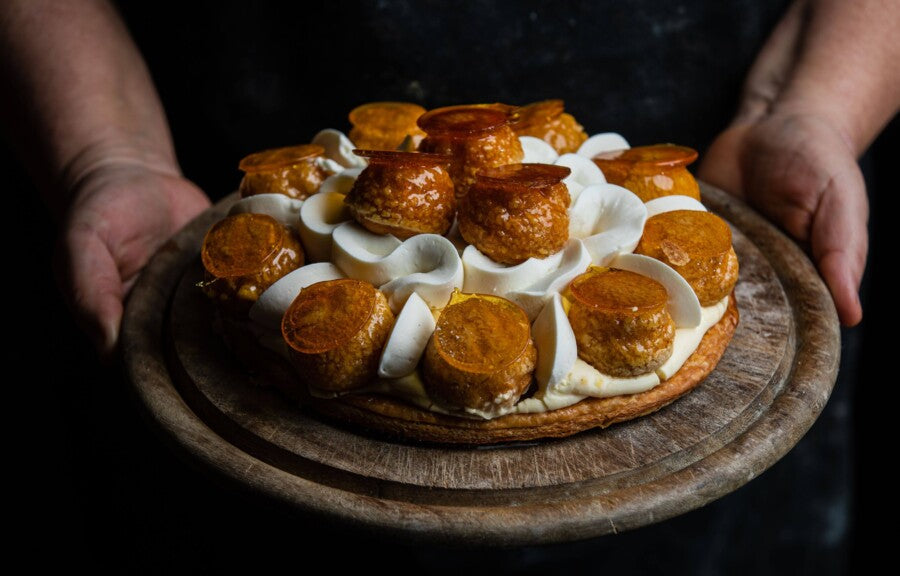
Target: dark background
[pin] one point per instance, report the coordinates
(100, 488)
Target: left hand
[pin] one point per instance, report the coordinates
(119, 216)
(798, 170)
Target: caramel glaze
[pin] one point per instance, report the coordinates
(651, 171)
(621, 323)
(385, 125)
(548, 121)
(516, 212)
(697, 245)
(475, 137)
(335, 331)
(293, 171)
(243, 255)
(481, 355)
(403, 193)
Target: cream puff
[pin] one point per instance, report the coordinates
(385, 125)
(480, 356)
(548, 121)
(335, 331)
(621, 321)
(476, 137)
(294, 171)
(517, 211)
(697, 245)
(403, 193)
(651, 171)
(244, 254)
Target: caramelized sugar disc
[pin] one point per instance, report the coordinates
(536, 113)
(680, 237)
(618, 291)
(524, 175)
(241, 244)
(405, 158)
(477, 333)
(279, 157)
(507, 109)
(328, 314)
(465, 119)
(386, 125)
(386, 115)
(654, 156)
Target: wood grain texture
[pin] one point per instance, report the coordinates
(766, 392)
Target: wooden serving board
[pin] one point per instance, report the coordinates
(769, 387)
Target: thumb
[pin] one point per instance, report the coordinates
(720, 165)
(89, 280)
(839, 239)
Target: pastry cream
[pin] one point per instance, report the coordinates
(609, 219)
(339, 148)
(670, 203)
(404, 348)
(280, 207)
(599, 143)
(427, 264)
(536, 150)
(583, 173)
(320, 215)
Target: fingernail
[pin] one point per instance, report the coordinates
(110, 336)
(103, 337)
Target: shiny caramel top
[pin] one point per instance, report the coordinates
(279, 157)
(241, 244)
(618, 291)
(386, 115)
(680, 236)
(522, 187)
(653, 157)
(536, 113)
(524, 175)
(481, 333)
(384, 125)
(463, 120)
(327, 314)
(404, 158)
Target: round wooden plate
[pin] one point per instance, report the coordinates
(767, 390)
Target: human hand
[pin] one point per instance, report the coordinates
(120, 213)
(798, 170)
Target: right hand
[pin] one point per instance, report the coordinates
(119, 215)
